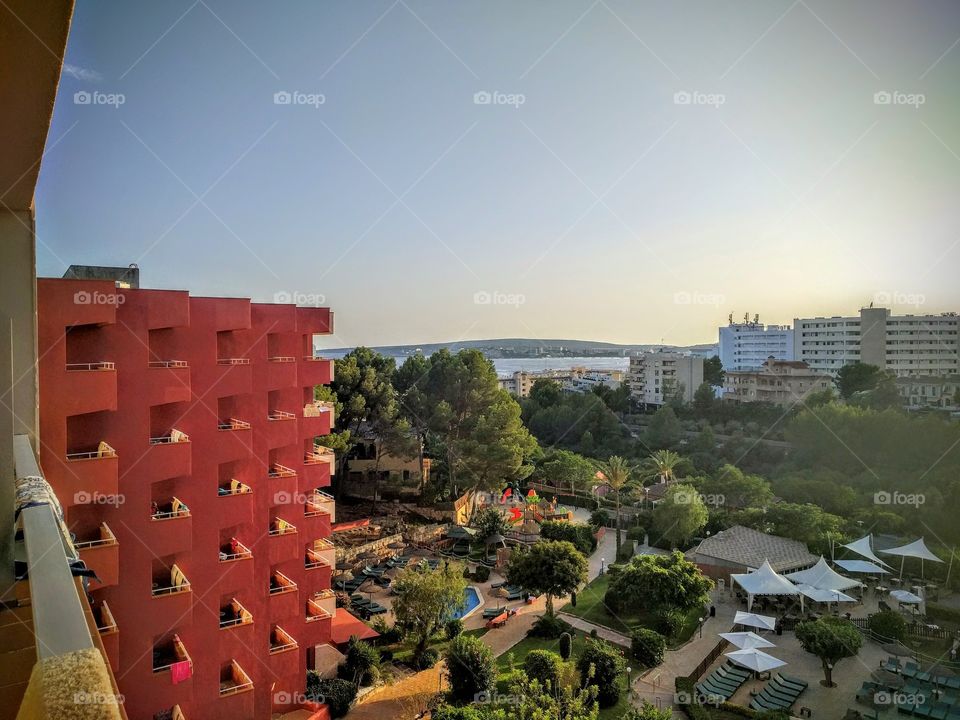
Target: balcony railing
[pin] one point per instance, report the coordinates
(233, 361)
(277, 471)
(315, 611)
(105, 538)
(103, 451)
(235, 615)
(175, 436)
(282, 359)
(321, 544)
(320, 454)
(235, 680)
(316, 505)
(280, 584)
(106, 623)
(177, 652)
(100, 365)
(178, 584)
(178, 509)
(167, 364)
(234, 488)
(313, 560)
(233, 424)
(317, 408)
(281, 415)
(281, 641)
(279, 526)
(236, 551)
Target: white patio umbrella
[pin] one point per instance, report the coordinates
(755, 660)
(905, 596)
(746, 640)
(748, 619)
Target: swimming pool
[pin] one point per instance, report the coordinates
(473, 602)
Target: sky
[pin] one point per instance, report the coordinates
(440, 170)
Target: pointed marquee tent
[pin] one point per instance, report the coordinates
(916, 549)
(823, 577)
(764, 581)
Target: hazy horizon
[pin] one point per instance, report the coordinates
(610, 171)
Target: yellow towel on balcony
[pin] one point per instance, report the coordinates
(104, 450)
(177, 506)
(75, 685)
(178, 436)
(282, 525)
(177, 578)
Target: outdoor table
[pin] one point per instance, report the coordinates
(882, 588)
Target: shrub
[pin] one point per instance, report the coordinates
(337, 694)
(647, 647)
(602, 665)
(451, 712)
(548, 626)
(453, 628)
(611, 598)
(482, 573)
(636, 533)
(599, 518)
(544, 666)
(428, 658)
(626, 552)
(670, 622)
(471, 667)
(389, 634)
(566, 645)
(888, 624)
(362, 662)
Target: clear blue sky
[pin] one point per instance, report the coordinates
(603, 207)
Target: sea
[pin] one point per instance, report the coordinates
(505, 367)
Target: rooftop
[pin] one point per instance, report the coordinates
(747, 547)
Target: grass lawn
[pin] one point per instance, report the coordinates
(519, 651)
(403, 650)
(591, 608)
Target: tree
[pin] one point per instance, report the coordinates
(658, 582)
(680, 515)
(489, 521)
(530, 700)
(565, 470)
(362, 662)
(731, 487)
(888, 625)
(580, 535)
(831, 639)
(545, 392)
(647, 711)
(602, 665)
(566, 645)
(704, 400)
(647, 647)
(665, 430)
(425, 598)
(544, 666)
(471, 667)
(616, 474)
(856, 377)
(549, 568)
(713, 371)
(452, 712)
(661, 466)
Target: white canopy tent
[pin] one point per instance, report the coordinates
(746, 640)
(764, 581)
(823, 577)
(755, 660)
(823, 595)
(905, 596)
(748, 619)
(862, 566)
(864, 548)
(916, 549)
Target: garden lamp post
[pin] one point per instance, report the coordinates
(602, 561)
(701, 627)
(629, 678)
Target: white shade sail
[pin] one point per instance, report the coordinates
(764, 622)
(824, 577)
(905, 596)
(862, 566)
(864, 548)
(824, 595)
(755, 660)
(746, 640)
(916, 549)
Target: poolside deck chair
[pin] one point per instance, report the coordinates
(758, 703)
(732, 669)
(785, 699)
(718, 689)
(719, 682)
(489, 613)
(893, 665)
(734, 677)
(793, 681)
(708, 690)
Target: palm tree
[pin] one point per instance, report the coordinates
(616, 473)
(662, 465)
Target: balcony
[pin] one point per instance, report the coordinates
(282, 480)
(168, 456)
(234, 504)
(176, 508)
(315, 371)
(233, 615)
(90, 387)
(281, 429)
(168, 381)
(318, 466)
(317, 420)
(284, 599)
(234, 680)
(320, 503)
(166, 655)
(233, 425)
(281, 372)
(170, 530)
(109, 634)
(178, 583)
(317, 516)
(90, 475)
(236, 565)
(313, 560)
(316, 611)
(281, 641)
(234, 441)
(101, 554)
(232, 376)
(284, 541)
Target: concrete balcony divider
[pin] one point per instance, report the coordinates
(281, 372)
(88, 477)
(315, 371)
(90, 387)
(168, 381)
(101, 554)
(167, 457)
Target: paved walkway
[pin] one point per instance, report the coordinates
(603, 632)
(402, 700)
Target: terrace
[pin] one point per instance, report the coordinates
(281, 641)
(233, 614)
(168, 653)
(234, 680)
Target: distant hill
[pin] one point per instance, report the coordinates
(526, 347)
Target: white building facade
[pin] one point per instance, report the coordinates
(655, 377)
(748, 345)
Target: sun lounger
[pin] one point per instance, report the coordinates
(491, 612)
(499, 621)
(708, 691)
(758, 703)
(730, 687)
(718, 688)
(724, 672)
(893, 665)
(802, 684)
(735, 670)
(774, 696)
(784, 688)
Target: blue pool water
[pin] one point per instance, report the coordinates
(472, 598)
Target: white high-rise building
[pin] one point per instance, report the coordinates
(748, 345)
(905, 345)
(655, 377)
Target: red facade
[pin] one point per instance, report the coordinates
(179, 435)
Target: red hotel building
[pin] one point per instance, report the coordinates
(179, 434)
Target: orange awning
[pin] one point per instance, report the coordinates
(344, 626)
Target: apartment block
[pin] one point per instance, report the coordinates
(179, 433)
(930, 393)
(655, 377)
(905, 345)
(780, 382)
(748, 345)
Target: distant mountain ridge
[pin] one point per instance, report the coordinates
(527, 347)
